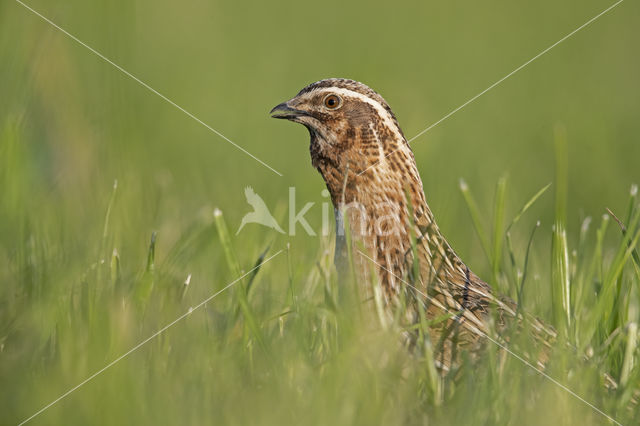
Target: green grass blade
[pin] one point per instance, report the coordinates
(527, 205)
(185, 286)
(225, 241)
(630, 213)
(633, 199)
(608, 298)
(630, 349)
(498, 223)
(513, 268)
(294, 300)
(256, 269)
(525, 268)
(144, 286)
(240, 290)
(560, 275)
(107, 216)
(114, 269)
(475, 217)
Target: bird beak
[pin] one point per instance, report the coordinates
(284, 111)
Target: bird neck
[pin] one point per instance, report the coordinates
(376, 188)
(384, 207)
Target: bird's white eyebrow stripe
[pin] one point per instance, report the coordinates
(386, 116)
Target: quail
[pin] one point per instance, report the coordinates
(370, 171)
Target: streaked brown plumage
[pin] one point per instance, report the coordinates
(370, 172)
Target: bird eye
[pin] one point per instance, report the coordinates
(332, 101)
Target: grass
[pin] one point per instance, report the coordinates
(90, 268)
(283, 347)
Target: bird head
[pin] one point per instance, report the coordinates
(348, 122)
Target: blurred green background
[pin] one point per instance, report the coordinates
(72, 124)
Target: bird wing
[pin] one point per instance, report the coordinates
(249, 194)
(255, 201)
